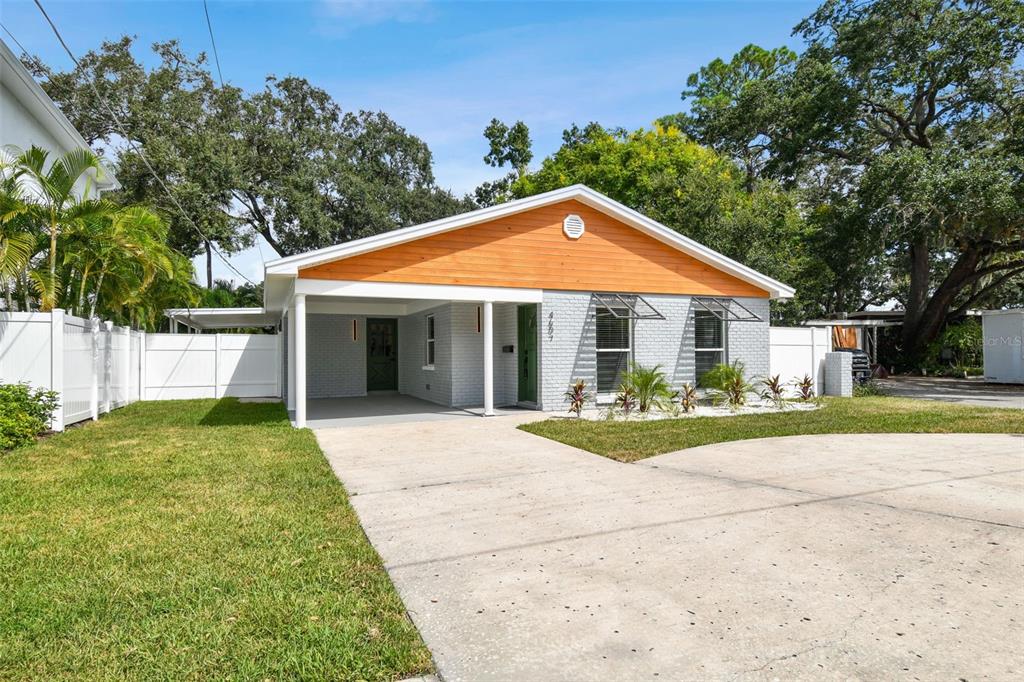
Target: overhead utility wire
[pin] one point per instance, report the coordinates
(14, 38)
(220, 77)
(216, 57)
(138, 150)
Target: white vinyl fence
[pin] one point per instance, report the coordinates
(97, 367)
(799, 351)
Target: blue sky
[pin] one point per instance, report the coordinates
(441, 69)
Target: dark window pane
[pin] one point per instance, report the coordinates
(707, 330)
(612, 332)
(610, 367)
(705, 360)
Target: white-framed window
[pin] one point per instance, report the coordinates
(709, 341)
(429, 350)
(614, 349)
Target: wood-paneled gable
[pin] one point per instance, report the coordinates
(530, 250)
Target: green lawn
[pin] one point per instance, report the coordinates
(630, 441)
(197, 540)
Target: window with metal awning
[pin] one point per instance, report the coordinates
(726, 309)
(710, 330)
(615, 314)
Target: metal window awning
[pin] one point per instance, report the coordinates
(627, 306)
(727, 309)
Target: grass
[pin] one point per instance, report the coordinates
(630, 441)
(200, 539)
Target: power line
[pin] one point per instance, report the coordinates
(213, 42)
(138, 150)
(220, 76)
(16, 41)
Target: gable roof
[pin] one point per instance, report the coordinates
(27, 92)
(290, 266)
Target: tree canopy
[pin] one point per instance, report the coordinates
(62, 247)
(285, 161)
(900, 125)
(702, 194)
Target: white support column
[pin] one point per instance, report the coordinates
(300, 360)
(57, 365)
(291, 358)
(488, 358)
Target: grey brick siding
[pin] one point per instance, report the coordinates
(568, 343)
(434, 385)
(748, 341)
(335, 364)
(468, 355)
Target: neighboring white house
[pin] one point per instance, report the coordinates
(29, 117)
(1003, 332)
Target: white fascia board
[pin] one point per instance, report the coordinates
(292, 264)
(441, 292)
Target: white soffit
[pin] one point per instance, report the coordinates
(291, 265)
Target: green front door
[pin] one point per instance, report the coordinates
(528, 353)
(381, 354)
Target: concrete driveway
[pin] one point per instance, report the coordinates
(973, 391)
(871, 557)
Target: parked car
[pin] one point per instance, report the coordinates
(861, 364)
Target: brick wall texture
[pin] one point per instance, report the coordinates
(336, 365)
(568, 344)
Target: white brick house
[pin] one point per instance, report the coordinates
(509, 304)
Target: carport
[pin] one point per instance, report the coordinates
(385, 408)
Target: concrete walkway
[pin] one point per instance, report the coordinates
(871, 557)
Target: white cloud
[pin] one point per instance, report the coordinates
(338, 17)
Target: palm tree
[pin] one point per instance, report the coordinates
(58, 202)
(16, 244)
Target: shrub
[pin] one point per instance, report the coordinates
(722, 375)
(688, 397)
(24, 413)
(805, 387)
(867, 389)
(626, 399)
(773, 391)
(734, 394)
(578, 396)
(650, 386)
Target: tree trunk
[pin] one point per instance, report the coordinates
(209, 264)
(96, 298)
(930, 313)
(920, 279)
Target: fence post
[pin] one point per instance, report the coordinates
(126, 371)
(142, 366)
(57, 366)
(108, 364)
(94, 388)
(216, 365)
(814, 362)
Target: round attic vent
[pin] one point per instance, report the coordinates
(573, 226)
